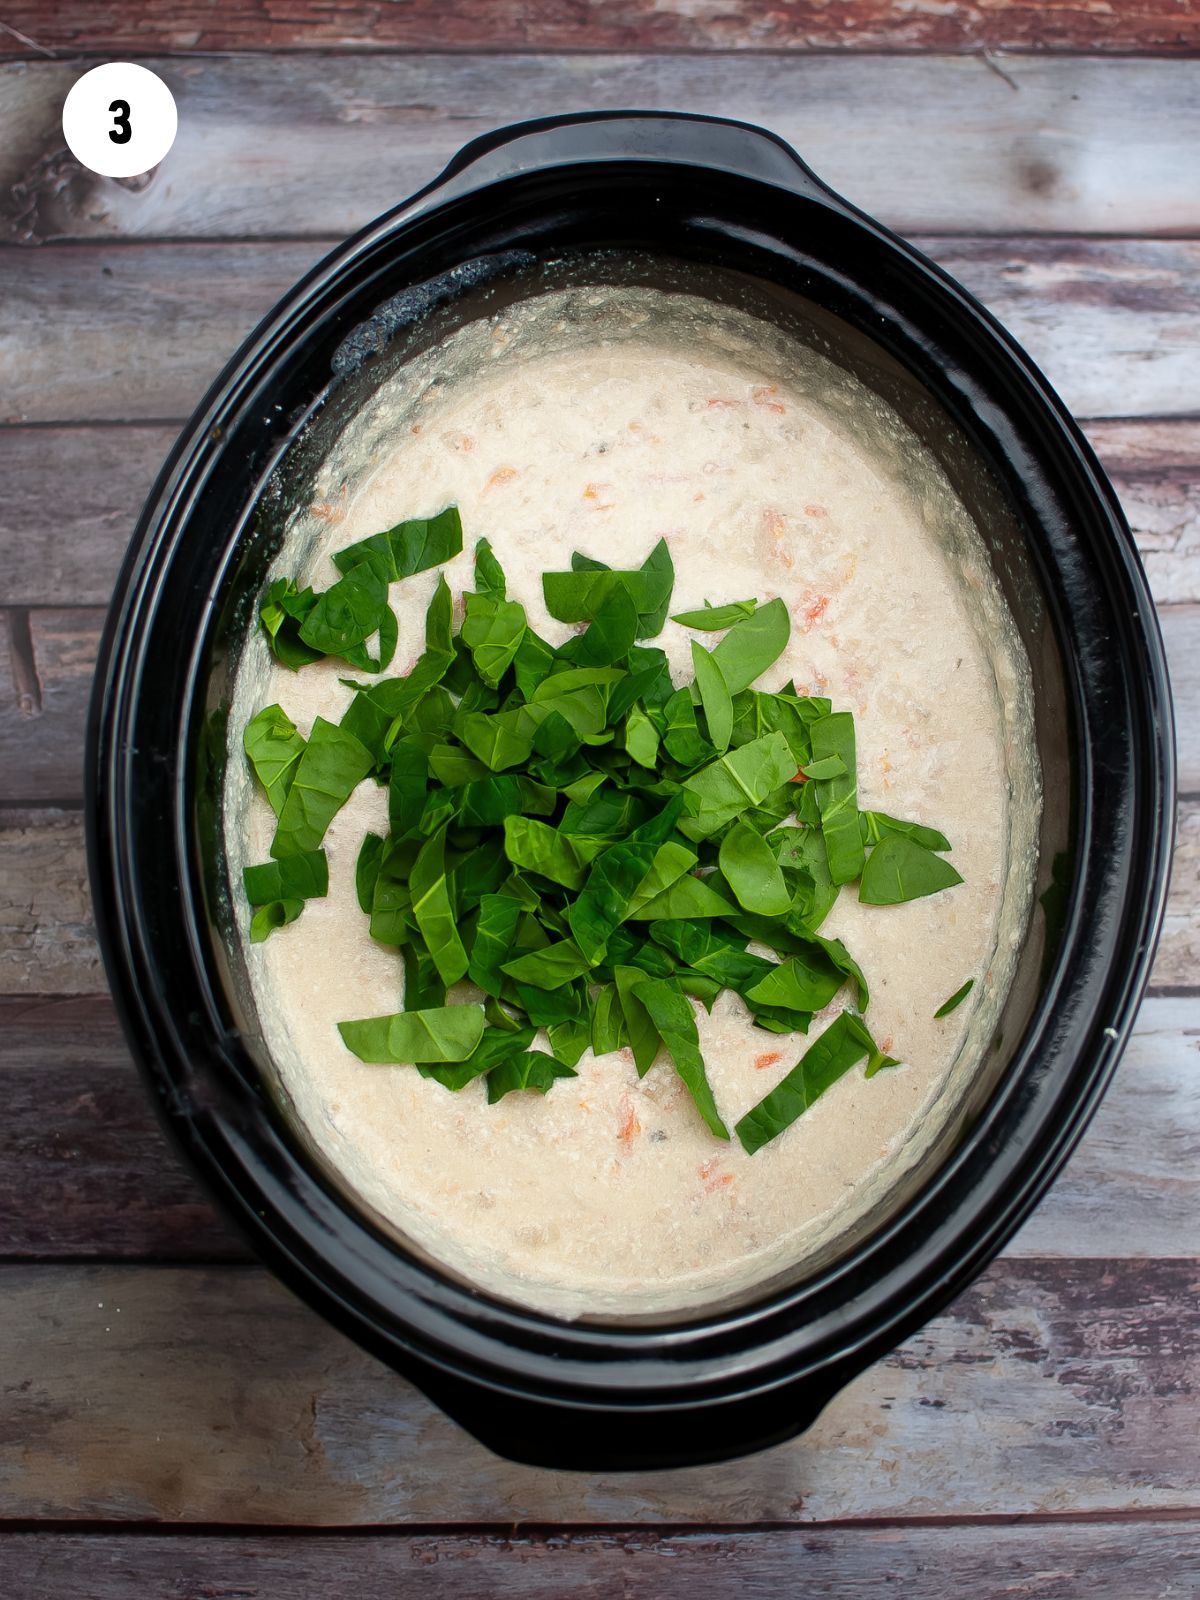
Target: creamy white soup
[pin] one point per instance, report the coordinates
(601, 420)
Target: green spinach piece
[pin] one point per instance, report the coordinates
(530, 1069)
(753, 645)
(550, 967)
(495, 932)
(955, 1000)
(799, 983)
(433, 908)
(877, 824)
(494, 1047)
(837, 797)
(577, 596)
(713, 618)
(749, 867)
(643, 1036)
(299, 877)
(275, 914)
(845, 1042)
(551, 852)
(714, 697)
(444, 1033)
(412, 546)
(674, 1020)
(274, 749)
(280, 616)
(899, 869)
(740, 779)
(331, 767)
(492, 630)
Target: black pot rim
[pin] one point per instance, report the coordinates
(829, 1326)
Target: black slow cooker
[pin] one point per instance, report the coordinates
(727, 210)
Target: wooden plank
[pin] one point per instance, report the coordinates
(72, 497)
(210, 1395)
(1155, 468)
(112, 334)
(78, 27)
(47, 658)
(1181, 635)
(1178, 963)
(1154, 1560)
(70, 504)
(47, 941)
(86, 1171)
(1132, 1188)
(136, 332)
(84, 1166)
(1053, 296)
(293, 147)
(46, 684)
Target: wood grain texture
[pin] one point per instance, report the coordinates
(197, 1394)
(113, 334)
(1181, 636)
(84, 1167)
(136, 332)
(47, 658)
(47, 941)
(86, 1171)
(79, 27)
(1152, 1560)
(72, 496)
(70, 503)
(1178, 963)
(318, 145)
(1155, 468)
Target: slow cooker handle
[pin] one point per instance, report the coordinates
(675, 138)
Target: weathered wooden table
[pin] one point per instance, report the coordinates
(172, 1422)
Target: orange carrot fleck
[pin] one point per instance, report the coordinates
(769, 1060)
(815, 511)
(815, 610)
(501, 476)
(630, 1126)
(718, 402)
(765, 396)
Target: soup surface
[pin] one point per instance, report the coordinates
(600, 420)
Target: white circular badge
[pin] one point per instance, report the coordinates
(120, 119)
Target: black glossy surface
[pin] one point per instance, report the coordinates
(736, 201)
